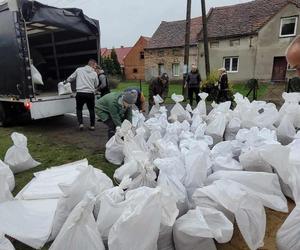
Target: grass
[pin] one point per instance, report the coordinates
(177, 88)
(49, 153)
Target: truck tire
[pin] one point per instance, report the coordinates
(3, 116)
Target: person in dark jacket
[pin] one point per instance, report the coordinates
(103, 82)
(140, 101)
(113, 108)
(193, 84)
(223, 86)
(158, 86)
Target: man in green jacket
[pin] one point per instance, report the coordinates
(113, 108)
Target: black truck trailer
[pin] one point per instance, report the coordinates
(56, 41)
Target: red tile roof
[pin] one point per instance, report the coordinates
(172, 34)
(121, 53)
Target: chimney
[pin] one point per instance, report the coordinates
(122, 47)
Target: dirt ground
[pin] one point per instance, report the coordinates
(65, 130)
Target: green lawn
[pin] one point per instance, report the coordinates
(177, 88)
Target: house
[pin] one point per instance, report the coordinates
(165, 50)
(250, 39)
(121, 53)
(134, 62)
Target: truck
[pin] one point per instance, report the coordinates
(55, 41)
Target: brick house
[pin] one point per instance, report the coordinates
(165, 50)
(121, 53)
(250, 39)
(134, 62)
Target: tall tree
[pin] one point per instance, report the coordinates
(117, 66)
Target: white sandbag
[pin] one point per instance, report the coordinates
(226, 163)
(141, 218)
(286, 130)
(10, 178)
(138, 119)
(114, 150)
(196, 122)
(249, 211)
(201, 107)
(36, 75)
(72, 195)
(64, 89)
(288, 236)
(5, 244)
(263, 186)
(80, 229)
(196, 229)
(156, 107)
(45, 185)
(17, 156)
(216, 128)
(5, 194)
(130, 169)
(178, 113)
(29, 221)
(232, 129)
(165, 239)
(112, 204)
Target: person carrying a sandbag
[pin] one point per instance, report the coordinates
(113, 108)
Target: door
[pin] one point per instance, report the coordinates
(161, 69)
(279, 69)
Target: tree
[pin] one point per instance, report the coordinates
(108, 65)
(116, 64)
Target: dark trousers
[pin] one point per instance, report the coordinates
(223, 96)
(191, 92)
(111, 128)
(89, 100)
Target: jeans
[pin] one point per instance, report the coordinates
(89, 100)
(191, 92)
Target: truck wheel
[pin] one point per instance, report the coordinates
(3, 117)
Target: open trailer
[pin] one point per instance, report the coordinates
(56, 41)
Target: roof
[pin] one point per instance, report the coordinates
(172, 34)
(121, 53)
(243, 19)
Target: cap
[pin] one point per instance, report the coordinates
(130, 96)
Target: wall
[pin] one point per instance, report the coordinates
(246, 52)
(133, 61)
(169, 56)
(270, 45)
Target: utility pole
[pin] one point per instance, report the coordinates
(187, 43)
(205, 38)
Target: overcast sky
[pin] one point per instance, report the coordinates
(124, 21)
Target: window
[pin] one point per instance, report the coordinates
(175, 69)
(231, 64)
(234, 42)
(161, 53)
(161, 68)
(142, 55)
(135, 71)
(288, 26)
(176, 52)
(214, 44)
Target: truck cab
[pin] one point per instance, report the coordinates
(55, 41)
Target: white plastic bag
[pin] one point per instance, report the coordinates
(80, 229)
(178, 113)
(64, 89)
(72, 195)
(197, 228)
(139, 225)
(5, 244)
(10, 178)
(5, 194)
(201, 107)
(249, 211)
(17, 156)
(114, 150)
(36, 76)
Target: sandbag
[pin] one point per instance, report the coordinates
(5, 244)
(286, 130)
(226, 163)
(248, 210)
(130, 169)
(72, 195)
(10, 178)
(17, 156)
(36, 75)
(165, 238)
(138, 119)
(114, 150)
(196, 229)
(80, 229)
(201, 107)
(178, 113)
(232, 129)
(216, 128)
(139, 225)
(5, 194)
(64, 89)
(156, 107)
